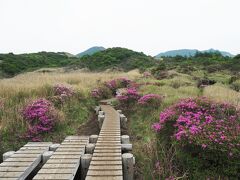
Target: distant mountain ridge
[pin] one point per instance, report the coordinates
(189, 53)
(91, 51)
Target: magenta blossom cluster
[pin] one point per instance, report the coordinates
(118, 83)
(154, 100)
(41, 117)
(130, 96)
(202, 122)
(96, 93)
(63, 91)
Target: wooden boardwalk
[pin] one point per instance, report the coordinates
(24, 161)
(106, 162)
(64, 162)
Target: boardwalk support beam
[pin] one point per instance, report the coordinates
(100, 120)
(128, 163)
(90, 148)
(125, 139)
(85, 163)
(93, 138)
(126, 147)
(7, 155)
(54, 147)
(46, 156)
(123, 120)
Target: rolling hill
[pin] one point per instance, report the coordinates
(91, 51)
(189, 53)
(119, 58)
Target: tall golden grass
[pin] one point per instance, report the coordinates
(222, 93)
(83, 81)
(32, 85)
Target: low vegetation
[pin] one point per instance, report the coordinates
(183, 112)
(47, 106)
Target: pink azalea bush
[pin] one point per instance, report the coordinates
(41, 117)
(130, 97)
(101, 92)
(152, 100)
(109, 88)
(118, 83)
(63, 92)
(203, 129)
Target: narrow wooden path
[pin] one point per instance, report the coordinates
(64, 163)
(24, 161)
(106, 162)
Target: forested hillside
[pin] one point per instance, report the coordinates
(11, 64)
(116, 58)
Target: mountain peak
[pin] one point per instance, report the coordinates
(91, 51)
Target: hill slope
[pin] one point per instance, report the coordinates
(189, 53)
(11, 64)
(120, 58)
(91, 51)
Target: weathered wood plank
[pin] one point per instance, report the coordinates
(54, 176)
(13, 169)
(104, 178)
(68, 156)
(105, 167)
(58, 166)
(28, 159)
(110, 154)
(105, 173)
(57, 171)
(63, 161)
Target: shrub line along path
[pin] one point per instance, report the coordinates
(106, 163)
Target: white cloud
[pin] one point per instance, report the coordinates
(150, 26)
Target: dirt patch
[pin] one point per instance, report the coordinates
(90, 127)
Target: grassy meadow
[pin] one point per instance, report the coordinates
(153, 159)
(18, 91)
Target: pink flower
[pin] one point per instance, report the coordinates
(151, 99)
(156, 127)
(41, 116)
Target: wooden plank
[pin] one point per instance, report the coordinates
(46, 143)
(13, 169)
(105, 147)
(68, 156)
(30, 152)
(69, 153)
(10, 174)
(105, 167)
(106, 162)
(104, 178)
(105, 158)
(106, 154)
(59, 166)
(69, 149)
(54, 176)
(15, 164)
(34, 148)
(25, 155)
(64, 161)
(105, 173)
(29, 159)
(57, 171)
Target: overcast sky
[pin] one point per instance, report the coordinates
(150, 26)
